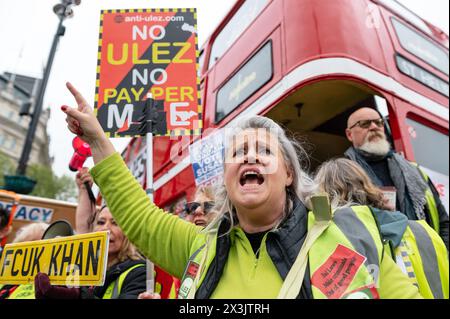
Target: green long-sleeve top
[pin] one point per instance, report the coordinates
(163, 238)
(166, 240)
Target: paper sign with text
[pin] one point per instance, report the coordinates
(78, 260)
(142, 52)
(335, 275)
(207, 157)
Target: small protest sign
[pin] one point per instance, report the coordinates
(207, 156)
(78, 260)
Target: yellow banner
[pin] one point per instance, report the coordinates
(73, 261)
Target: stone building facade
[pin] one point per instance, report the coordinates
(14, 91)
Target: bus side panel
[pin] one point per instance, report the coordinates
(182, 184)
(408, 81)
(331, 28)
(248, 42)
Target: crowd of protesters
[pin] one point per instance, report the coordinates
(268, 230)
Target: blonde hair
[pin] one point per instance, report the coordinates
(31, 232)
(347, 184)
(127, 250)
(205, 191)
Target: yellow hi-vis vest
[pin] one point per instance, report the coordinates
(343, 261)
(114, 288)
(431, 203)
(422, 256)
(25, 291)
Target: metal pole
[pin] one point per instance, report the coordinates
(150, 280)
(27, 147)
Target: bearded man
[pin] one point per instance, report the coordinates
(408, 188)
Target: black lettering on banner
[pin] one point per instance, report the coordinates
(18, 252)
(325, 273)
(6, 261)
(79, 258)
(37, 256)
(341, 281)
(66, 259)
(92, 258)
(53, 261)
(350, 266)
(330, 292)
(341, 266)
(141, 108)
(328, 282)
(25, 272)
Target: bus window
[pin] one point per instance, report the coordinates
(407, 14)
(240, 21)
(421, 47)
(382, 107)
(248, 79)
(430, 147)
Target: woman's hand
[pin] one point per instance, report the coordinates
(146, 295)
(82, 177)
(82, 122)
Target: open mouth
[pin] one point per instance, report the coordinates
(251, 177)
(200, 223)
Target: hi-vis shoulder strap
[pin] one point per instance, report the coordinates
(322, 219)
(209, 237)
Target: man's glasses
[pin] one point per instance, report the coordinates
(192, 206)
(367, 123)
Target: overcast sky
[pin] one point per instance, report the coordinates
(26, 33)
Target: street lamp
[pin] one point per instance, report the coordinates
(63, 10)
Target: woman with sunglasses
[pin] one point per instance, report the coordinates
(201, 209)
(291, 253)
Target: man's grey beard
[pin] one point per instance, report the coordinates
(380, 147)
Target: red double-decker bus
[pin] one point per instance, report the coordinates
(308, 64)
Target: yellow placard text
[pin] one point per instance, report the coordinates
(78, 260)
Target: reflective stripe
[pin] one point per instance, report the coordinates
(429, 258)
(115, 292)
(347, 221)
(431, 203)
(409, 269)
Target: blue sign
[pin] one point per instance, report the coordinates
(30, 213)
(207, 159)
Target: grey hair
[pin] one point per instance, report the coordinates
(30, 232)
(293, 154)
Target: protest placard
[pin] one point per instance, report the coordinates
(78, 260)
(207, 157)
(142, 52)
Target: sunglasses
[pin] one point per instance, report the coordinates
(205, 206)
(367, 123)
